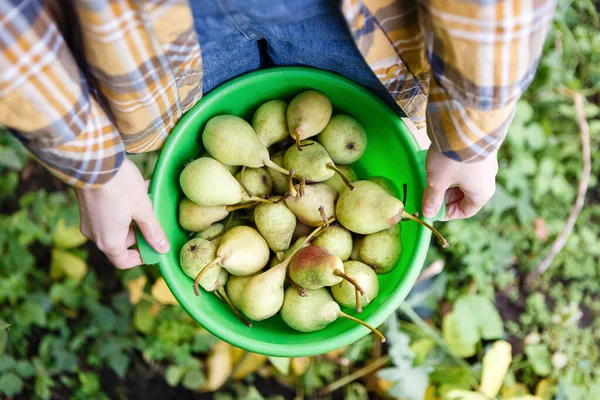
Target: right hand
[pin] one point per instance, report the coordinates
(107, 213)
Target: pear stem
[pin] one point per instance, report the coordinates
(222, 295)
(298, 132)
(260, 200)
(363, 323)
(271, 164)
(307, 239)
(218, 235)
(206, 267)
(341, 174)
(301, 291)
(291, 189)
(240, 206)
(425, 224)
(242, 175)
(301, 187)
(357, 295)
(323, 217)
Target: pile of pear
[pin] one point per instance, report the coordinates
(279, 222)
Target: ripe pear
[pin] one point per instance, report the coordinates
(243, 251)
(345, 293)
(256, 181)
(306, 208)
(262, 296)
(308, 114)
(337, 240)
(195, 218)
(382, 250)
(282, 255)
(386, 184)
(337, 183)
(344, 138)
(276, 223)
(235, 287)
(280, 181)
(270, 122)
(315, 267)
(233, 169)
(197, 254)
(207, 182)
(232, 141)
(314, 311)
(370, 209)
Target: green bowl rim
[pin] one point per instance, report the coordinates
(324, 345)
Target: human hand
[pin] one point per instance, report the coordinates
(466, 187)
(107, 213)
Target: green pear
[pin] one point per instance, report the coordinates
(195, 218)
(337, 240)
(194, 256)
(270, 122)
(233, 169)
(243, 251)
(387, 184)
(306, 208)
(282, 255)
(235, 287)
(382, 250)
(232, 141)
(337, 183)
(256, 181)
(370, 209)
(308, 114)
(314, 311)
(356, 243)
(213, 230)
(207, 182)
(280, 181)
(276, 223)
(344, 138)
(262, 297)
(345, 293)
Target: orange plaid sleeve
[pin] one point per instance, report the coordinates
(84, 83)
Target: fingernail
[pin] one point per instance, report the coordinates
(163, 245)
(429, 212)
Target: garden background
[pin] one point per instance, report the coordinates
(490, 318)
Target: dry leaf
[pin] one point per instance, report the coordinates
(248, 364)
(66, 263)
(299, 365)
(518, 389)
(460, 394)
(540, 229)
(236, 354)
(67, 237)
(430, 393)
(495, 366)
(546, 389)
(161, 293)
(219, 365)
(136, 288)
(335, 354)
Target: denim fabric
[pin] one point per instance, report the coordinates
(239, 36)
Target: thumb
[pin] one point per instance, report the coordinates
(151, 229)
(433, 196)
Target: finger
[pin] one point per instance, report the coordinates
(433, 196)
(151, 229)
(470, 204)
(453, 195)
(147, 183)
(126, 259)
(130, 240)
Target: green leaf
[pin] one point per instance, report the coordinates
(4, 325)
(454, 339)
(119, 362)
(412, 385)
(24, 369)
(11, 384)
(359, 350)
(3, 341)
(194, 379)
(539, 357)
(524, 112)
(143, 319)
(10, 159)
(282, 364)
(477, 318)
(356, 391)
(173, 375)
(421, 348)
(43, 383)
(6, 363)
(32, 313)
(252, 394)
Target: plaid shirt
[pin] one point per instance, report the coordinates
(81, 88)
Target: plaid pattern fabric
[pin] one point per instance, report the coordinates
(84, 81)
(78, 105)
(481, 54)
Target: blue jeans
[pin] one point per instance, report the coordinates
(239, 36)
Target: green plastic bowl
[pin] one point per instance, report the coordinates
(391, 152)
